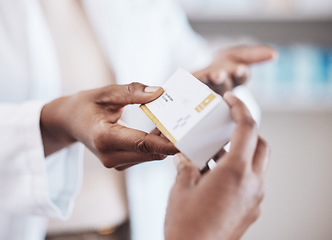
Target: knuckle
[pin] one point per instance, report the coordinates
(159, 156)
(186, 168)
(152, 157)
(219, 77)
(215, 76)
(142, 146)
(264, 143)
(239, 172)
(185, 171)
(249, 123)
(120, 169)
(108, 163)
(129, 91)
(266, 146)
(259, 195)
(110, 160)
(132, 87)
(241, 166)
(256, 214)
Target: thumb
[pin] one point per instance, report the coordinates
(253, 54)
(133, 93)
(188, 173)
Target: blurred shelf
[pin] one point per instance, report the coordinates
(301, 79)
(276, 32)
(279, 106)
(258, 17)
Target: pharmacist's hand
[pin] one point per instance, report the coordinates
(230, 68)
(91, 117)
(224, 202)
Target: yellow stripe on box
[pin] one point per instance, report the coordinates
(205, 102)
(159, 125)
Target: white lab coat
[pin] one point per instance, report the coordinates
(144, 40)
(32, 188)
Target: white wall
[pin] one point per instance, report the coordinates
(298, 202)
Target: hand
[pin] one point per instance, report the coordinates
(230, 68)
(91, 117)
(224, 202)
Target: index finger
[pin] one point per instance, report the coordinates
(254, 54)
(244, 137)
(138, 141)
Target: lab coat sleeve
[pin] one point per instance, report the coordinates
(31, 183)
(191, 51)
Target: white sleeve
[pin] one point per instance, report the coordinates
(31, 183)
(191, 51)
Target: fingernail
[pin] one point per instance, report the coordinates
(241, 71)
(152, 89)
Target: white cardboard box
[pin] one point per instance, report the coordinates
(193, 117)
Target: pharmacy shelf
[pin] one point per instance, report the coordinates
(279, 106)
(254, 17)
(278, 32)
(288, 31)
(290, 102)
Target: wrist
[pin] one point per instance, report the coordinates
(54, 126)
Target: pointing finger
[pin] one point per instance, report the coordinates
(253, 54)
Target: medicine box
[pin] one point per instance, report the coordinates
(193, 117)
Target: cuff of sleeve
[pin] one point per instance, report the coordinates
(55, 180)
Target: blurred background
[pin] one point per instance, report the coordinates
(295, 94)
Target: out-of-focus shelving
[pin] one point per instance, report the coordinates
(258, 10)
(253, 17)
(301, 79)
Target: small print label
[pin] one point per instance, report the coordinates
(205, 102)
(184, 103)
